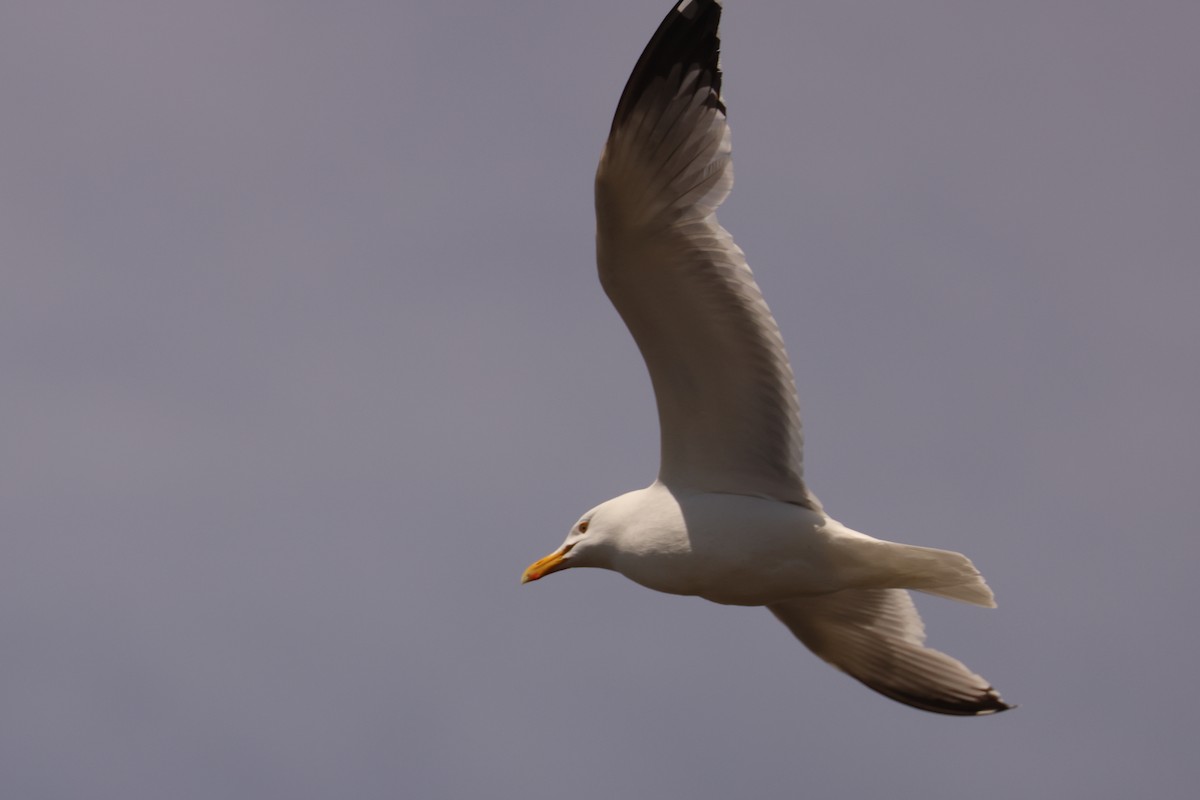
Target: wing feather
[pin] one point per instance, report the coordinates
(726, 397)
(876, 636)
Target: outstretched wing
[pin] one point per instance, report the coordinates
(727, 403)
(877, 637)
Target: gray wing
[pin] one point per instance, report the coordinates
(726, 397)
(876, 636)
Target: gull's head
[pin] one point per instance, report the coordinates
(587, 545)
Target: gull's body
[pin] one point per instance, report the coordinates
(742, 550)
(730, 518)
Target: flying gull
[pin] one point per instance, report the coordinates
(730, 518)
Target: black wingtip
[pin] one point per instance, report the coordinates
(688, 36)
(985, 705)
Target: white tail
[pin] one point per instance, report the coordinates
(940, 572)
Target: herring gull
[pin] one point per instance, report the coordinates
(730, 518)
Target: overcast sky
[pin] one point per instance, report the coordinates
(304, 360)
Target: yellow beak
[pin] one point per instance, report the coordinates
(544, 566)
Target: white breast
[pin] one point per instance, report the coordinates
(727, 548)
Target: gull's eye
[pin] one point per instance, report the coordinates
(583, 526)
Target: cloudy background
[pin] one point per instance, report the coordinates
(304, 359)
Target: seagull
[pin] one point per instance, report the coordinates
(729, 518)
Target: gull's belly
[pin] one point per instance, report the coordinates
(737, 550)
(753, 578)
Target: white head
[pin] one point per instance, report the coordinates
(590, 543)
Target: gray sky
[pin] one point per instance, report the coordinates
(305, 360)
